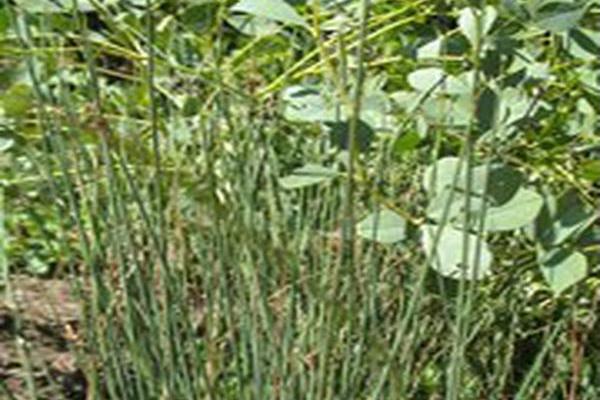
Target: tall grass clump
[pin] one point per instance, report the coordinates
(331, 200)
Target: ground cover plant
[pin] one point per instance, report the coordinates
(269, 199)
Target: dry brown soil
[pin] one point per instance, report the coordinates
(38, 335)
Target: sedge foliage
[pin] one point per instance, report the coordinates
(321, 200)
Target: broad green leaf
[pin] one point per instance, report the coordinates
(425, 79)
(590, 237)
(590, 77)
(515, 8)
(18, 100)
(488, 109)
(275, 10)
(36, 266)
(384, 226)
(199, 17)
(538, 70)
(59, 6)
(4, 21)
(473, 29)
(583, 121)
(308, 175)
(6, 144)
(573, 216)
(432, 49)
(488, 17)
(455, 205)
(406, 100)
(443, 174)
(584, 44)
(253, 25)
(406, 142)
(502, 182)
(564, 268)
(375, 107)
(563, 219)
(340, 137)
(499, 186)
(39, 6)
(461, 84)
(467, 21)
(452, 112)
(590, 170)
(514, 105)
(584, 107)
(448, 255)
(201, 2)
(559, 16)
(519, 211)
(306, 104)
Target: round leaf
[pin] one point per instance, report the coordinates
(471, 28)
(563, 268)
(563, 219)
(516, 213)
(425, 79)
(253, 25)
(306, 104)
(432, 49)
(276, 10)
(559, 16)
(440, 175)
(448, 254)
(384, 226)
(59, 6)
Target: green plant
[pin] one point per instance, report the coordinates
(320, 200)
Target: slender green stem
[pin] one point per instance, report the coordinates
(470, 266)
(349, 230)
(156, 141)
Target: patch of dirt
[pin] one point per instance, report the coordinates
(38, 332)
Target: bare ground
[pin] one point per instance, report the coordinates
(38, 332)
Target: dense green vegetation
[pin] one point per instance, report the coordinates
(335, 199)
